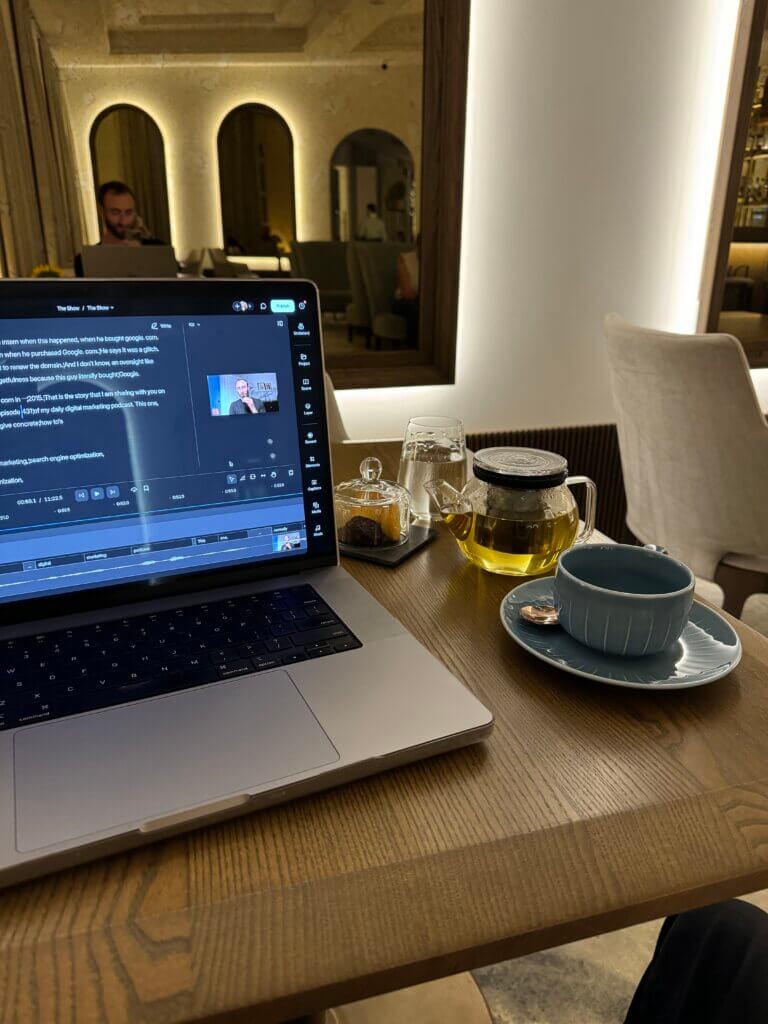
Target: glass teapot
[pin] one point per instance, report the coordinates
(517, 515)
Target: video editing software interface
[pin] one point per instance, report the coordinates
(152, 428)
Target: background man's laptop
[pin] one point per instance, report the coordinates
(129, 261)
(178, 642)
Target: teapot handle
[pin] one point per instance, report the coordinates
(589, 509)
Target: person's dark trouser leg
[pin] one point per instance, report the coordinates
(710, 966)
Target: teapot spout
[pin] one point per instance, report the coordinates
(446, 498)
(454, 507)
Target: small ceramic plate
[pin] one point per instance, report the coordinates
(707, 649)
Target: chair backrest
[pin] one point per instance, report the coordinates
(325, 263)
(693, 441)
(221, 265)
(357, 284)
(264, 247)
(193, 264)
(378, 263)
(297, 260)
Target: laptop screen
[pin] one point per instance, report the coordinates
(150, 430)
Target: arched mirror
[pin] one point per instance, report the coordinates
(126, 146)
(372, 207)
(372, 188)
(256, 181)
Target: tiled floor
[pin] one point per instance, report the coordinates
(587, 982)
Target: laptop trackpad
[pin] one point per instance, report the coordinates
(127, 765)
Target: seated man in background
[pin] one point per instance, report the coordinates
(121, 223)
(373, 228)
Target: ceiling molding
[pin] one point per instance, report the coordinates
(206, 40)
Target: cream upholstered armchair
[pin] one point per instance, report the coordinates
(325, 263)
(358, 310)
(378, 264)
(694, 446)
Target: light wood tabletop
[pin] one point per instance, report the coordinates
(588, 809)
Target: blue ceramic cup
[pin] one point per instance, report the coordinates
(623, 600)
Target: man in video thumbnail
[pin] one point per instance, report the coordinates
(244, 405)
(289, 542)
(255, 392)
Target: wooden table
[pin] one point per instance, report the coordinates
(590, 808)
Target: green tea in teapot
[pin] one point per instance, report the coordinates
(514, 547)
(517, 514)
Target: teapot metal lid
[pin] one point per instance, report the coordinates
(528, 468)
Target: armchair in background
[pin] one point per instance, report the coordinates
(378, 263)
(358, 310)
(325, 263)
(694, 452)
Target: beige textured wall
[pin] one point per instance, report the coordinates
(321, 103)
(592, 141)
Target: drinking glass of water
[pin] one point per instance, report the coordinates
(433, 449)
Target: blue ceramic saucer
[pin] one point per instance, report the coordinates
(707, 649)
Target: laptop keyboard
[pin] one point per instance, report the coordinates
(53, 675)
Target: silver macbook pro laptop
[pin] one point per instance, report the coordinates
(129, 261)
(178, 643)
